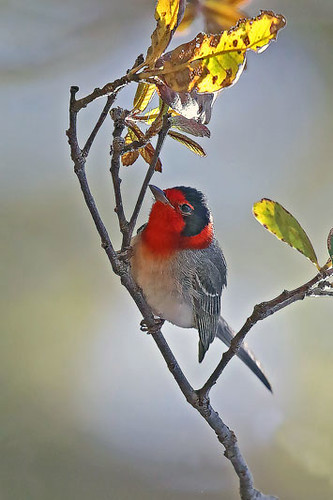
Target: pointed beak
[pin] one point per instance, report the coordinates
(159, 195)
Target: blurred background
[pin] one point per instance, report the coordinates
(88, 409)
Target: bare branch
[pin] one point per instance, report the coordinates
(108, 89)
(100, 121)
(118, 116)
(260, 312)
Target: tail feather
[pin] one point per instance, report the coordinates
(226, 334)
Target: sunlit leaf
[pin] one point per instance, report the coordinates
(168, 14)
(190, 126)
(188, 104)
(189, 143)
(143, 95)
(149, 116)
(211, 62)
(147, 154)
(284, 226)
(191, 12)
(218, 14)
(130, 157)
(147, 151)
(222, 14)
(330, 244)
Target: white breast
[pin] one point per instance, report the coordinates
(162, 290)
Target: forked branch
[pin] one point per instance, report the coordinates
(120, 264)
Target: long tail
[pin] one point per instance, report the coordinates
(225, 333)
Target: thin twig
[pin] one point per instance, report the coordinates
(118, 116)
(150, 172)
(100, 121)
(108, 89)
(260, 312)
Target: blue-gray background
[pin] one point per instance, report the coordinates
(88, 409)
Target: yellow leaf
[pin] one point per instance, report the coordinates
(130, 157)
(143, 95)
(330, 244)
(147, 151)
(222, 14)
(191, 12)
(218, 14)
(189, 143)
(211, 62)
(149, 116)
(284, 226)
(168, 14)
(147, 154)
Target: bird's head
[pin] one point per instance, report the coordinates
(179, 219)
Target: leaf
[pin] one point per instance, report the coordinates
(189, 143)
(330, 244)
(218, 14)
(190, 126)
(147, 151)
(129, 158)
(149, 116)
(147, 154)
(168, 14)
(191, 12)
(212, 62)
(222, 14)
(188, 104)
(284, 226)
(143, 95)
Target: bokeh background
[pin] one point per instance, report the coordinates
(88, 409)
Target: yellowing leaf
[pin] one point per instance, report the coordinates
(143, 95)
(149, 116)
(191, 12)
(222, 14)
(218, 14)
(147, 151)
(189, 143)
(211, 62)
(284, 226)
(130, 157)
(168, 14)
(147, 154)
(330, 244)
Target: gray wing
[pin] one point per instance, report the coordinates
(208, 282)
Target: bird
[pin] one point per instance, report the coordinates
(180, 267)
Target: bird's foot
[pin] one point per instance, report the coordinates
(152, 329)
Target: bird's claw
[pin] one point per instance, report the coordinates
(158, 322)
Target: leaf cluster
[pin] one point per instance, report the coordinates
(189, 78)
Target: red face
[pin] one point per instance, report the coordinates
(179, 221)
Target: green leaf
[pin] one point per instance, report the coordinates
(330, 244)
(284, 226)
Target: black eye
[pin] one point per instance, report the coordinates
(186, 209)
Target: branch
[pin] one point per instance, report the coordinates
(150, 172)
(260, 312)
(118, 116)
(226, 436)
